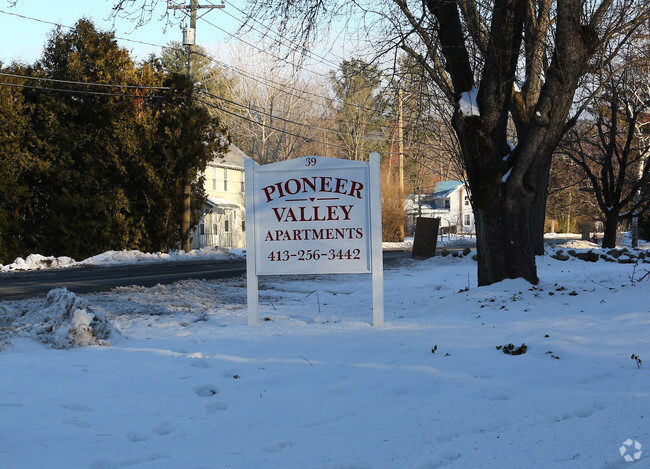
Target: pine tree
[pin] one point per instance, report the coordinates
(86, 209)
(184, 138)
(16, 164)
(360, 107)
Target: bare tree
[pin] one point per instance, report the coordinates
(570, 197)
(271, 113)
(430, 146)
(496, 62)
(613, 149)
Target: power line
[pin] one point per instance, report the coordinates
(108, 85)
(258, 48)
(52, 23)
(417, 161)
(121, 95)
(260, 111)
(323, 60)
(272, 116)
(284, 88)
(266, 82)
(299, 93)
(280, 87)
(98, 93)
(203, 91)
(274, 85)
(306, 139)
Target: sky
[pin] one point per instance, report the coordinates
(23, 38)
(25, 27)
(172, 376)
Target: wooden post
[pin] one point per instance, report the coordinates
(377, 252)
(251, 275)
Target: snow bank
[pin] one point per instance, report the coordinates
(579, 244)
(212, 253)
(135, 257)
(398, 246)
(37, 262)
(63, 322)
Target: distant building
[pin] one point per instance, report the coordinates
(223, 218)
(449, 202)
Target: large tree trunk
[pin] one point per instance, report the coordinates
(504, 242)
(504, 209)
(509, 185)
(611, 227)
(539, 211)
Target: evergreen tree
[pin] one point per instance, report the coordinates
(174, 61)
(93, 134)
(16, 165)
(360, 107)
(86, 169)
(184, 138)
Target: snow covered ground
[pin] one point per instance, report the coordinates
(172, 377)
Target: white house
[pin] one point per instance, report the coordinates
(223, 218)
(449, 202)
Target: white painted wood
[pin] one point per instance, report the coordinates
(251, 276)
(314, 195)
(312, 216)
(376, 234)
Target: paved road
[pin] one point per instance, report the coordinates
(15, 286)
(92, 279)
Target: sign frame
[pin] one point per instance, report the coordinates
(313, 193)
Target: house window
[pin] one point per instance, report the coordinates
(466, 200)
(447, 203)
(202, 229)
(468, 219)
(226, 225)
(243, 186)
(243, 225)
(225, 180)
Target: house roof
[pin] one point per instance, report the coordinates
(234, 158)
(217, 202)
(445, 188)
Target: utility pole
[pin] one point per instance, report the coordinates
(568, 215)
(400, 143)
(189, 40)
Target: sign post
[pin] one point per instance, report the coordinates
(314, 215)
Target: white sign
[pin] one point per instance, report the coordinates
(313, 215)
